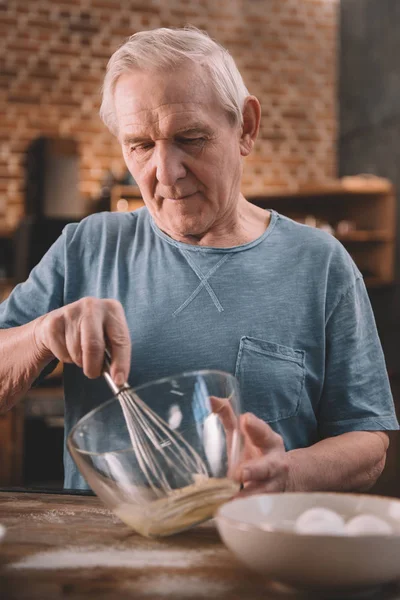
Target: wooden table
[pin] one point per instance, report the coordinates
(52, 531)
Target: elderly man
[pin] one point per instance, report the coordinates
(200, 278)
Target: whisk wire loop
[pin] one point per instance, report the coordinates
(159, 450)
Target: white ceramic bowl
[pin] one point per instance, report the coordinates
(259, 531)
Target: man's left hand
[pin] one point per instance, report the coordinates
(264, 464)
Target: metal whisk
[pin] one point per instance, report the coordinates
(157, 447)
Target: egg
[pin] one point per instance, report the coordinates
(365, 524)
(320, 521)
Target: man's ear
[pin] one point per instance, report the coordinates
(251, 124)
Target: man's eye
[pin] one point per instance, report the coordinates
(139, 149)
(193, 141)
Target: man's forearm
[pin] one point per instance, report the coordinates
(348, 462)
(20, 363)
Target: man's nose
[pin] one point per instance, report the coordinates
(169, 165)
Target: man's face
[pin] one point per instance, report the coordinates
(181, 149)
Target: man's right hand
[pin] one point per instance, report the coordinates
(79, 332)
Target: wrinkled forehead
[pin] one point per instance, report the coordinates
(148, 97)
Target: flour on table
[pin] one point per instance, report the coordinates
(50, 516)
(83, 558)
(95, 511)
(179, 586)
(57, 515)
(23, 503)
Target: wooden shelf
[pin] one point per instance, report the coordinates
(366, 187)
(365, 236)
(375, 282)
(5, 281)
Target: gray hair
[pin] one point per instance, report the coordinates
(167, 48)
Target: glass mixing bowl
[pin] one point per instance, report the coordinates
(202, 409)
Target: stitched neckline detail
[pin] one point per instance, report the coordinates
(212, 249)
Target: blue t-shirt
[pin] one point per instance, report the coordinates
(287, 313)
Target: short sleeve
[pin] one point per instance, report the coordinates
(356, 394)
(41, 293)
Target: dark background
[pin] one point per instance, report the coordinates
(369, 125)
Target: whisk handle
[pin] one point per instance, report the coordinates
(116, 389)
(107, 359)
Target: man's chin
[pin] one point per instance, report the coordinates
(184, 229)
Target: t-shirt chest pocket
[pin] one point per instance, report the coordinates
(271, 378)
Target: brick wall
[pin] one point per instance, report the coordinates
(53, 55)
